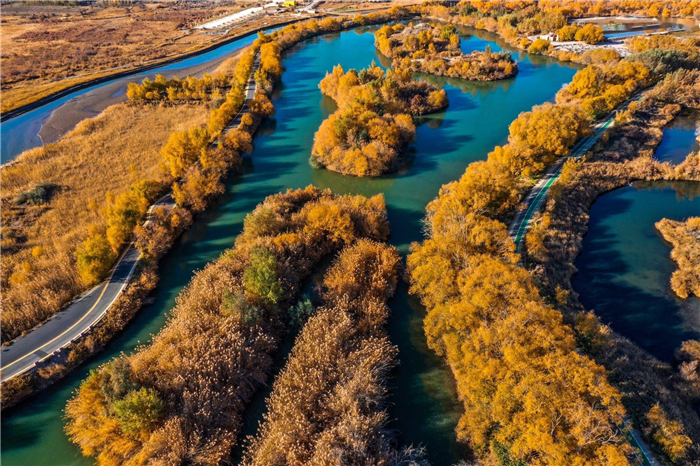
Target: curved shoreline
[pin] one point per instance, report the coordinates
(122, 74)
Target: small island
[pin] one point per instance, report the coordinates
(685, 239)
(373, 125)
(436, 50)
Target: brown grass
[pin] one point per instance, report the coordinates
(340, 362)
(102, 155)
(215, 351)
(48, 48)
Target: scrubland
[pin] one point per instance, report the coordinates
(198, 374)
(52, 195)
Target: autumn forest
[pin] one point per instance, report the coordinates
(293, 330)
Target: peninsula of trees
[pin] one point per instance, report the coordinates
(373, 125)
(685, 239)
(435, 50)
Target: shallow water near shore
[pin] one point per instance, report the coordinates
(625, 266)
(54, 119)
(424, 408)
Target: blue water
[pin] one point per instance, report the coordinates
(679, 139)
(625, 266)
(21, 133)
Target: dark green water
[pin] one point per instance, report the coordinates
(425, 409)
(625, 266)
(680, 139)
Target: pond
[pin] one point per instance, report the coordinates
(424, 408)
(680, 139)
(625, 266)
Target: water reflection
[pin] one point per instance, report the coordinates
(680, 138)
(625, 266)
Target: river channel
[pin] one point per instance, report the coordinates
(424, 407)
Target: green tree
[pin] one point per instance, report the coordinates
(95, 256)
(139, 412)
(260, 278)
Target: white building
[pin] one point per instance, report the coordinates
(247, 14)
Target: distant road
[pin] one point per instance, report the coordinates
(522, 220)
(79, 317)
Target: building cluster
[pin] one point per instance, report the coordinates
(274, 6)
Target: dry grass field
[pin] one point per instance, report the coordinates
(49, 47)
(52, 194)
(352, 7)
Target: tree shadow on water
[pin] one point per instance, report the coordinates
(652, 321)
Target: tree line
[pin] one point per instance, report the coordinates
(660, 398)
(206, 88)
(192, 167)
(530, 395)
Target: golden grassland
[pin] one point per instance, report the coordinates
(101, 156)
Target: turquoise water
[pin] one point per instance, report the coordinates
(424, 407)
(625, 266)
(680, 139)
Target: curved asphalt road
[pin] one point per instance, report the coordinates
(76, 319)
(521, 222)
(84, 312)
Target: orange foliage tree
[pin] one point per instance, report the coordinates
(368, 133)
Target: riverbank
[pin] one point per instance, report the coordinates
(91, 81)
(625, 155)
(192, 190)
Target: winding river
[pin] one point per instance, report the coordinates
(625, 266)
(424, 407)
